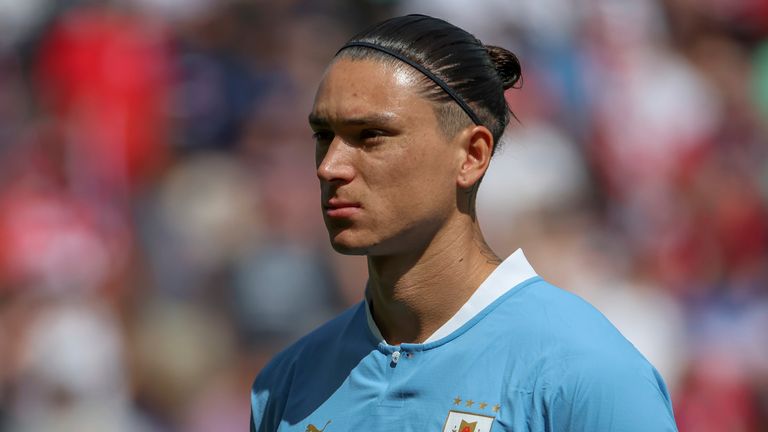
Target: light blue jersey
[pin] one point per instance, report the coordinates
(535, 358)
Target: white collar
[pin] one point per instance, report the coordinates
(510, 273)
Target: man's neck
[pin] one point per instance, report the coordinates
(413, 295)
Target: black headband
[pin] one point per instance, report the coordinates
(423, 70)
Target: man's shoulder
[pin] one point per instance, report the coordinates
(582, 360)
(310, 369)
(561, 323)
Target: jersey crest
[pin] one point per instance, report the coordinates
(459, 421)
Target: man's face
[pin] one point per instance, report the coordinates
(387, 172)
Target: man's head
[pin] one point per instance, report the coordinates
(406, 120)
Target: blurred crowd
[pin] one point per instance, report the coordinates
(160, 228)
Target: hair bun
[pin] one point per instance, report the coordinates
(506, 64)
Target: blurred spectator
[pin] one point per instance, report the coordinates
(104, 75)
(70, 389)
(203, 215)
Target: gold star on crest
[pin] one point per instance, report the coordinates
(496, 408)
(483, 405)
(457, 400)
(470, 403)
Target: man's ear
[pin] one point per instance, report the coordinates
(477, 145)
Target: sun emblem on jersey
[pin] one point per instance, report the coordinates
(467, 427)
(313, 428)
(459, 421)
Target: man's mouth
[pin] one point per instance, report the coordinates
(339, 208)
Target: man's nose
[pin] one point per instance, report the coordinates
(336, 163)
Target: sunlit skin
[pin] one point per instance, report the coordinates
(396, 189)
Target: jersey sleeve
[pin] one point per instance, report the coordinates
(608, 394)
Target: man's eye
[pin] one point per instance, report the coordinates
(322, 136)
(369, 134)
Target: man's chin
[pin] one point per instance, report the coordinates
(346, 244)
(345, 248)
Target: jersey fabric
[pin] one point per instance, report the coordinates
(521, 355)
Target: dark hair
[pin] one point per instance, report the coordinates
(477, 73)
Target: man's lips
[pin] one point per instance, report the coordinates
(338, 208)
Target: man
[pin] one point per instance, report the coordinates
(449, 338)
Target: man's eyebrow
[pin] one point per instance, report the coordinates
(378, 119)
